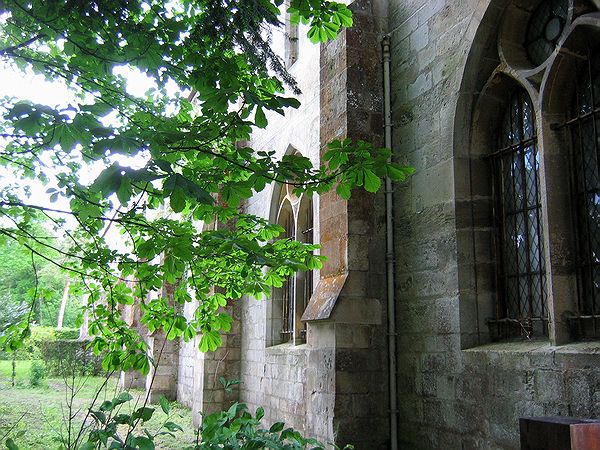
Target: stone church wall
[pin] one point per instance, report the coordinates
(455, 388)
(274, 377)
(188, 366)
(334, 387)
(456, 391)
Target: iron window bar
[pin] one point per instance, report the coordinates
(528, 328)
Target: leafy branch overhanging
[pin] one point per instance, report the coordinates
(215, 78)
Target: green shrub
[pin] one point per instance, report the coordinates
(66, 333)
(66, 357)
(37, 373)
(235, 428)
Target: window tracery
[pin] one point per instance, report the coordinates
(545, 28)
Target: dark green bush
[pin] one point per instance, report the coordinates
(235, 428)
(37, 373)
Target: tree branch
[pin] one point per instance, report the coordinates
(27, 43)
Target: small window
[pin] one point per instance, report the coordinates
(521, 307)
(585, 133)
(289, 302)
(291, 42)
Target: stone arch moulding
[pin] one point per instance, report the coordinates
(283, 210)
(482, 60)
(321, 295)
(475, 202)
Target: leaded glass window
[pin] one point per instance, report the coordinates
(585, 126)
(521, 269)
(286, 294)
(545, 28)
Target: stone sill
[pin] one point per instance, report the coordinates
(592, 347)
(286, 348)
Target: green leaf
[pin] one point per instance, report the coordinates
(343, 190)
(145, 413)
(276, 427)
(99, 416)
(143, 443)
(289, 102)
(123, 419)
(124, 191)
(260, 120)
(106, 405)
(260, 413)
(109, 180)
(88, 446)
(123, 397)
(164, 404)
(397, 173)
(20, 109)
(172, 426)
(10, 444)
(102, 132)
(372, 182)
(165, 166)
(211, 340)
(66, 136)
(177, 202)
(344, 15)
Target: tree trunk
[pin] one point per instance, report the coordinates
(63, 303)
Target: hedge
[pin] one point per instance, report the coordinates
(31, 346)
(68, 356)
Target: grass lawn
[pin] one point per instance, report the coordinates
(39, 412)
(21, 369)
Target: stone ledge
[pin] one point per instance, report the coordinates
(322, 302)
(286, 348)
(537, 347)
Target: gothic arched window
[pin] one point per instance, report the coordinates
(522, 270)
(534, 232)
(289, 302)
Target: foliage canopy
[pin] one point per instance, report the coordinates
(166, 163)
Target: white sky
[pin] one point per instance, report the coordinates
(35, 88)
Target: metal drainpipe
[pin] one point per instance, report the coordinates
(389, 256)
